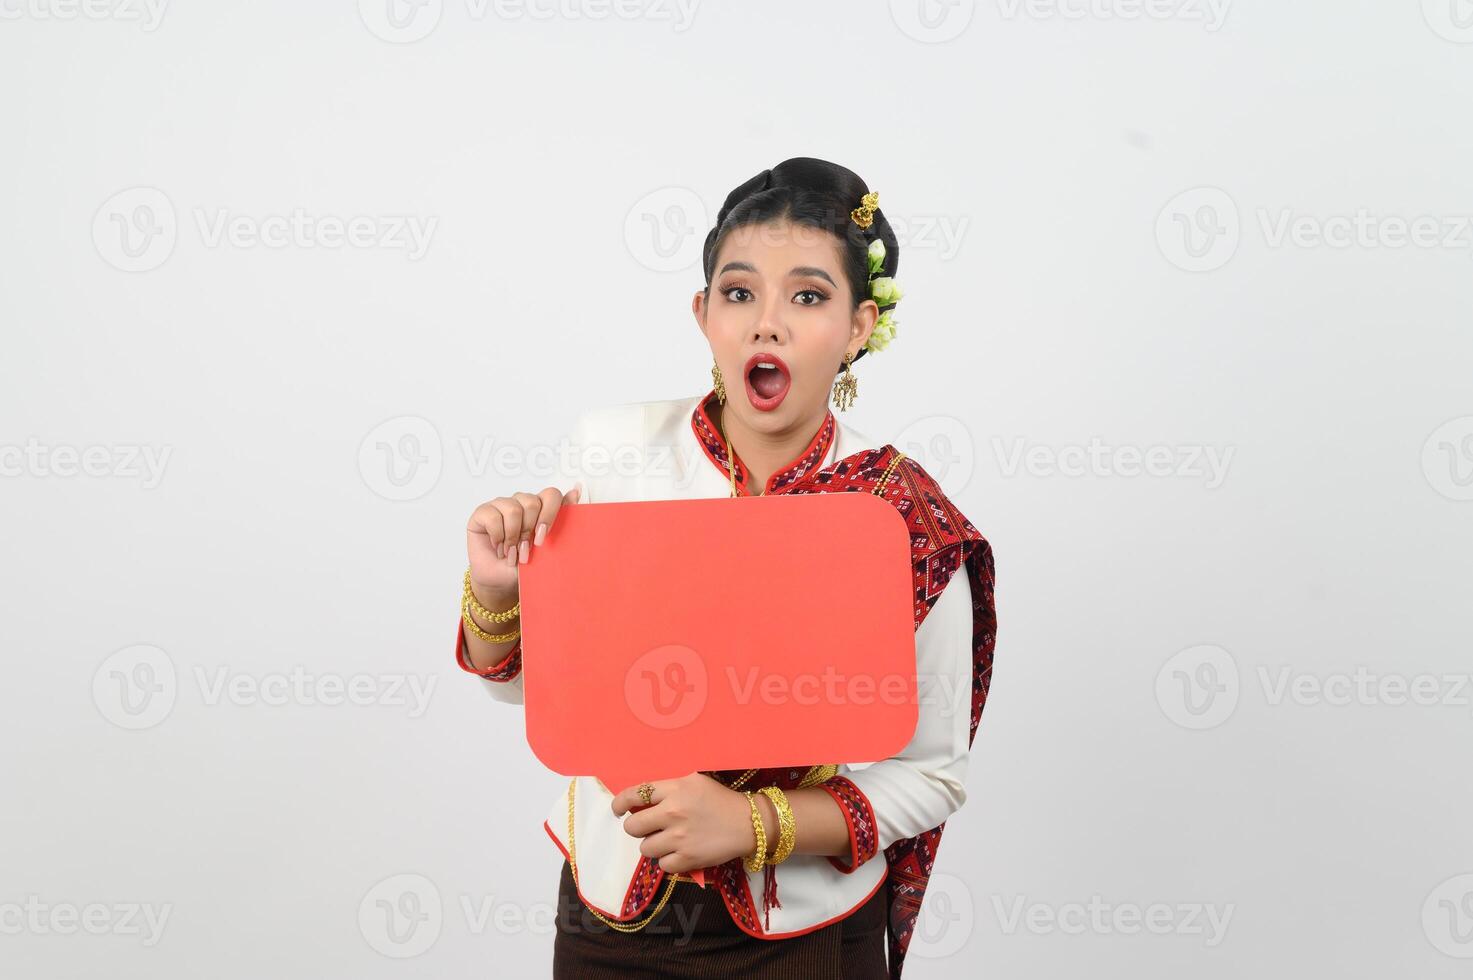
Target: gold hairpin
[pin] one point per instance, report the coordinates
(865, 213)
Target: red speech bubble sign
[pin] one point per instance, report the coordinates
(665, 637)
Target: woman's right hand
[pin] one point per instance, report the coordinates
(501, 534)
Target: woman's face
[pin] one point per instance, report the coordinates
(778, 295)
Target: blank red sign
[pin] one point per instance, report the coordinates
(664, 637)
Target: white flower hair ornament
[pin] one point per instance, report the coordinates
(884, 290)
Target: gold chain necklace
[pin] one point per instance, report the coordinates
(814, 776)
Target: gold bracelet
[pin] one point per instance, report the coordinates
(757, 858)
(465, 615)
(787, 826)
(482, 611)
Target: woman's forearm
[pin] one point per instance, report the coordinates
(819, 826)
(481, 654)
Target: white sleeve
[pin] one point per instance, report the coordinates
(918, 788)
(567, 473)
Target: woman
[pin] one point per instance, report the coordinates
(799, 279)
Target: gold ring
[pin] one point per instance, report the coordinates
(645, 792)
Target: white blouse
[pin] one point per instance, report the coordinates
(909, 793)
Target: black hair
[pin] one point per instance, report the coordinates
(816, 194)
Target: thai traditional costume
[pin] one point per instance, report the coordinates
(897, 806)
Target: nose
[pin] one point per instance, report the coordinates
(771, 327)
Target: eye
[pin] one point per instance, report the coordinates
(728, 290)
(818, 293)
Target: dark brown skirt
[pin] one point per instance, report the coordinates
(694, 936)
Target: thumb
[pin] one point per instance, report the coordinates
(574, 495)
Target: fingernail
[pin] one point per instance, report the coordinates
(526, 550)
(541, 533)
(501, 550)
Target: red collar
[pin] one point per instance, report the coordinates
(709, 436)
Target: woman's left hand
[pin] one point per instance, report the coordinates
(692, 822)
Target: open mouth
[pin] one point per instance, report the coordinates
(768, 381)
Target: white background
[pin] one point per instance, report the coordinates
(1092, 201)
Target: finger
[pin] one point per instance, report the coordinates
(531, 515)
(629, 798)
(677, 863)
(552, 502)
(511, 515)
(658, 845)
(488, 519)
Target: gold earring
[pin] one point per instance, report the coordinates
(719, 381)
(846, 389)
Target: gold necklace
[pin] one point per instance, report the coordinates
(729, 468)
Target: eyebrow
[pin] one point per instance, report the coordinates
(797, 270)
